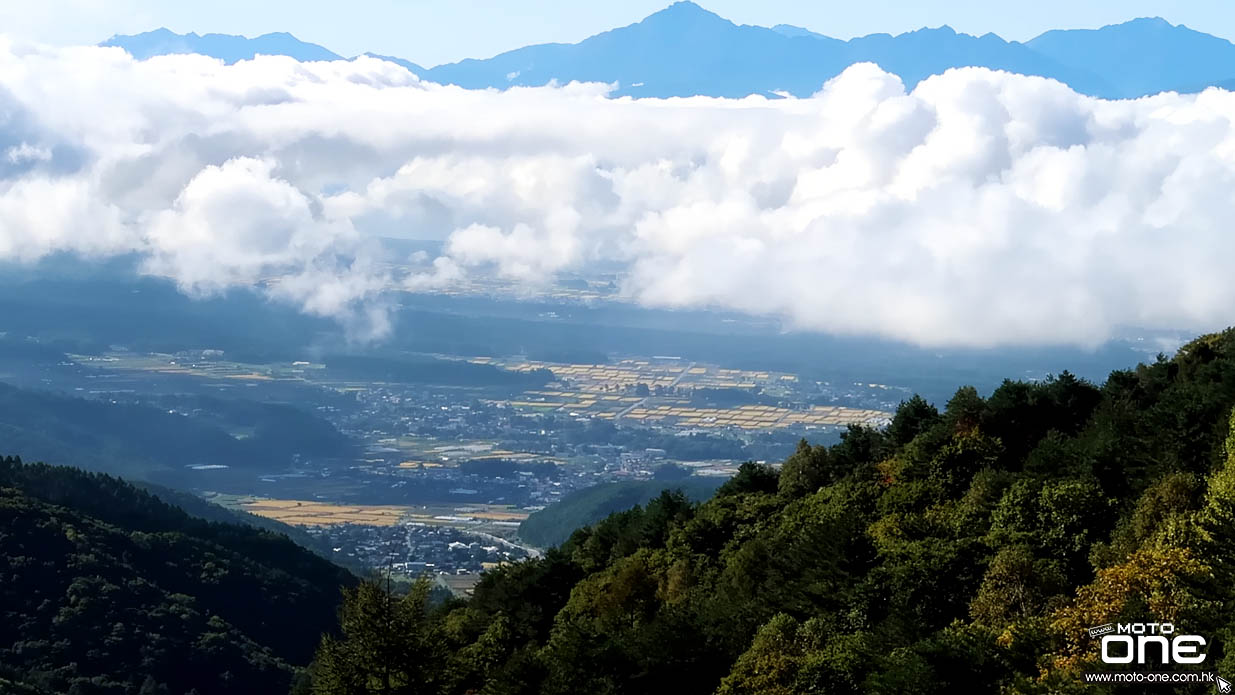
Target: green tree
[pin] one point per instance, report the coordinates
(806, 470)
(913, 417)
(770, 666)
(965, 409)
(390, 645)
(1016, 585)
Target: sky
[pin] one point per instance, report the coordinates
(430, 32)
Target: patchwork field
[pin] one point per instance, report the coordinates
(496, 519)
(754, 416)
(426, 452)
(311, 513)
(207, 367)
(608, 392)
(628, 373)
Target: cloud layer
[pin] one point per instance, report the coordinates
(980, 209)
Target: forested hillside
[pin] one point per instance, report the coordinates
(554, 524)
(209, 511)
(962, 550)
(104, 588)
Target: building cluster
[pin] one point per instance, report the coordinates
(416, 549)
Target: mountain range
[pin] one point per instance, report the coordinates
(685, 50)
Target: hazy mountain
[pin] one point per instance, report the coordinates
(686, 50)
(1143, 56)
(680, 50)
(919, 54)
(411, 67)
(792, 31)
(226, 47)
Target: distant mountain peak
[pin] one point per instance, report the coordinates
(1149, 21)
(683, 12)
(226, 47)
(162, 33)
(1143, 56)
(1138, 24)
(686, 6)
(942, 31)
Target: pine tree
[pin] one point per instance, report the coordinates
(389, 645)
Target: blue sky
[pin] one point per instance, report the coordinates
(434, 31)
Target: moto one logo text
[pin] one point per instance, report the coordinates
(1149, 643)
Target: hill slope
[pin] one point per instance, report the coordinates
(107, 589)
(555, 524)
(968, 550)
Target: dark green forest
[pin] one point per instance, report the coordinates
(961, 550)
(107, 589)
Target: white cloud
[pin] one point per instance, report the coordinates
(980, 209)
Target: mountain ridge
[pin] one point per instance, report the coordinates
(229, 48)
(687, 50)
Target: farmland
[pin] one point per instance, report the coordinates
(661, 392)
(485, 517)
(315, 513)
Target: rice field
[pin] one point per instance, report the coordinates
(754, 416)
(310, 513)
(427, 452)
(167, 364)
(604, 391)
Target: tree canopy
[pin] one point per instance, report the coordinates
(106, 589)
